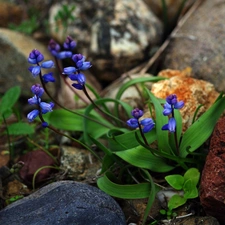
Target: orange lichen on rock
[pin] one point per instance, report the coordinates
(192, 91)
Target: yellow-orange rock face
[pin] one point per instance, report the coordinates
(192, 91)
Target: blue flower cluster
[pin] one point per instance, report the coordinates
(147, 123)
(169, 106)
(35, 58)
(42, 107)
(73, 72)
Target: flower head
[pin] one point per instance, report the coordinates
(170, 126)
(137, 113)
(37, 90)
(148, 124)
(32, 115)
(133, 123)
(53, 47)
(48, 77)
(35, 57)
(69, 43)
(171, 104)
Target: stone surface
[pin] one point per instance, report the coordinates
(114, 35)
(213, 176)
(192, 91)
(200, 44)
(15, 48)
(80, 164)
(64, 203)
(33, 161)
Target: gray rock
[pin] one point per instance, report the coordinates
(200, 44)
(15, 48)
(114, 35)
(64, 203)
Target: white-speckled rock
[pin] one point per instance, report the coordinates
(114, 35)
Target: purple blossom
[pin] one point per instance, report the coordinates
(37, 90)
(32, 115)
(148, 124)
(35, 57)
(48, 77)
(69, 43)
(137, 113)
(133, 123)
(170, 126)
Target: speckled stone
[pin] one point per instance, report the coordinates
(200, 44)
(213, 175)
(64, 203)
(114, 35)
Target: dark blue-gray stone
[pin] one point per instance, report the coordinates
(64, 203)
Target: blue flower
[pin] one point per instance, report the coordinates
(170, 126)
(137, 113)
(34, 100)
(148, 124)
(46, 107)
(167, 109)
(80, 78)
(53, 47)
(48, 77)
(44, 124)
(69, 70)
(133, 123)
(79, 60)
(69, 43)
(32, 115)
(35, 57)
(37, 90)
(64, 55)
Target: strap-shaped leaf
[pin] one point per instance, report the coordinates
(202, 128)
(143, 158)
(132, 191)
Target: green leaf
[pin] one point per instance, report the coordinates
(162, 135)
(128, 140)
(176, 181)
(132, 191)
(20, 128)
(190, 190)
(143, 158)
(65, 120)
(192, 174)
(136, 81)
(9, 99)
(202, 128)
(176, 201)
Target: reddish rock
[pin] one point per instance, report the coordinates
(212, 186)
(32, 162)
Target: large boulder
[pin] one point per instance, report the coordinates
(64, 203)
(200, 44)
(15, 48)
(114, 35)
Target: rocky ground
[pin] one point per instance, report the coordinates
(123, 40)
